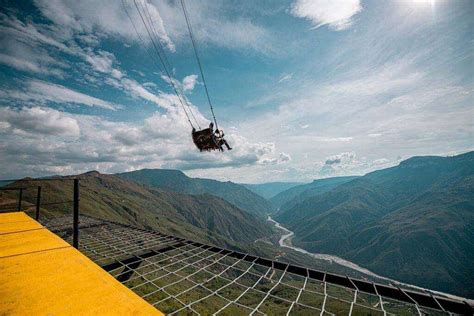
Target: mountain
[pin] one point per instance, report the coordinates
(288, 198)
(270, 189)
(203, 217)
(177, 181)
(413, 222)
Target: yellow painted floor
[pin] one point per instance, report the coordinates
(41, 274)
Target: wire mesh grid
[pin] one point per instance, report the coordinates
(181, 277)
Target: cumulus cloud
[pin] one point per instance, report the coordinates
(40, 120)
(349, 163)
(75, 143)
(189, 82)
(340, 163)
(346, 157)
(337, 14)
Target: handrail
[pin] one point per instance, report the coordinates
(74, 201)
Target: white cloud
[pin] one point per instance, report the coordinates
(57, 93)
(42, 92)
(38, 120)
(22, 48)
(102, 61)
(284, 157)
(375, 135)
(214, 22)
(285, 77)
(342, 158)
(29, 65)
(189, 82)
(337, 14)
(156, 142)
(107, 16)
(348, 163)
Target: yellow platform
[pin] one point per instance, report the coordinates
(41, 274)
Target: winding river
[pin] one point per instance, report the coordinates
(285, 241)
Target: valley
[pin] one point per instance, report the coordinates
(391, 224)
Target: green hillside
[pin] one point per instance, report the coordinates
(177, 181)
(413, 222)
(288, 198)
(204, 217)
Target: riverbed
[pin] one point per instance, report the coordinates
(285, 242)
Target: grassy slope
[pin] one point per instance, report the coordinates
(192, 217)
(205, 218)
(177, 181)
(414, 222)
(288, 198)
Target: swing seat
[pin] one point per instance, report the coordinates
(205, 140)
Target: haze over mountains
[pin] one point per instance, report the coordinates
(270, 189)
(413, 222)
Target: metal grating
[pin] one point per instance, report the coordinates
(182, 277)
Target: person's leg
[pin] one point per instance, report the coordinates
(227, 145)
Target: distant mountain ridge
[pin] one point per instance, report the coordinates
(177, 181)
(270, 189)
(288, 198)
(413, 222)
(204, 217)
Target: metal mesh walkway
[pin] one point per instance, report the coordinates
(186, 278)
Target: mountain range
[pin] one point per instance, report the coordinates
(270, 189)
(177, 181)
(288, 198)
(201, 217)
(413, 222)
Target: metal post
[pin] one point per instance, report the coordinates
(75, 237)
(19, 199)
(38, 202)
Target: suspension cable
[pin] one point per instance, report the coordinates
(185, 11)
(167, 63)
(164, 66)
(140, 37)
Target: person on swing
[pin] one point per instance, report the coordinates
(219, 134)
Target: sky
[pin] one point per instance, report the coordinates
(303, 89)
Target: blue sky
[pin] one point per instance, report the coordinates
(303, 89)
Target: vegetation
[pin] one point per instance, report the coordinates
(413, 222)
(177, 181)
(288, 198)
(201, 217)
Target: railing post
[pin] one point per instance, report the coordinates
(19, 199)
(75, 237)
(38, 202)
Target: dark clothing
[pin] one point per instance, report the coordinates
(208, 139)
